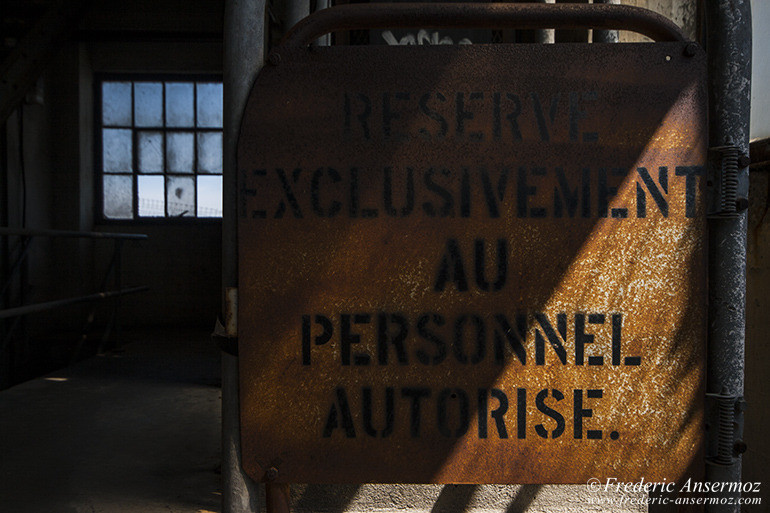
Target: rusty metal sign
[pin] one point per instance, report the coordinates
(473, 264)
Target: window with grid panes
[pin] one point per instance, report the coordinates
(161, 148)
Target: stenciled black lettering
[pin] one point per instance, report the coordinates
(315, 186)
(339, 413)
(521, 413)
(582, 338)
(348, 338)
(388, 114)
(387, 192)
(550, 412)
(606, 192)
(451, 268)
(416, 394)
(580, 413)
(440, 347)
(434, 115)
(458, 343)
(503, 333)
(542, 124)
(462, 115)
(657, 195)
(390, 416)
(480, 267)
(513, 117)
(569, 196)
(353, 205)
(385, 338)
(465, 193)
(458, 396)
(691, 174)
(553, 339)
(494, 195)
(498, 414)
(250, 191)
(447, 208)
(363, 116)
(288, 194)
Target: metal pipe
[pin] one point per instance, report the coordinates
(295, 11)
(729, 63)
(541, 36)
(606, 36)
(571, 35)
(483, 15)
(244, 48)
(40, 307)
(277, 498)
(70, 233)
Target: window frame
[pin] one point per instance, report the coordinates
(98, 150)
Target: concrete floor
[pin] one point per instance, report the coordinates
(132, 431)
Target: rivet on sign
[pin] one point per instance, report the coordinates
(691, 49)
(274, 58)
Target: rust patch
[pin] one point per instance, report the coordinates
(473, 264)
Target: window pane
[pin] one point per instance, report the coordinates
(179, 104)
(209, 106)
(150, 191)
(116, 150)
(117, 197)
(150, 152)
(210, 152)
(181, 196)
(209, 196)
(116, 103)
(148, 104)
(179, 152)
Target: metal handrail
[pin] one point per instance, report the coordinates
(483, 15)
(48, 305)
(114, 267)
(69, 233)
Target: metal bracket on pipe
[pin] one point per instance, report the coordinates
(225, 342)
(226, 336)
(724, 428)
(724, 166)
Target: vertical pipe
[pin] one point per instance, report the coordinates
(295, 11)
(325, 40)
(605, 36)
(729, 67)
(244, 50)
(5, 248)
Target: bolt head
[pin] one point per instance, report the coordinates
(271, 473)
(691, 49)
(274, 58)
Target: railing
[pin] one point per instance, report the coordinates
(113, 269)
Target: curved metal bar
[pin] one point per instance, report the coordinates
(483, 15)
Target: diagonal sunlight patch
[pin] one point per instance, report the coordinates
(651, 271)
